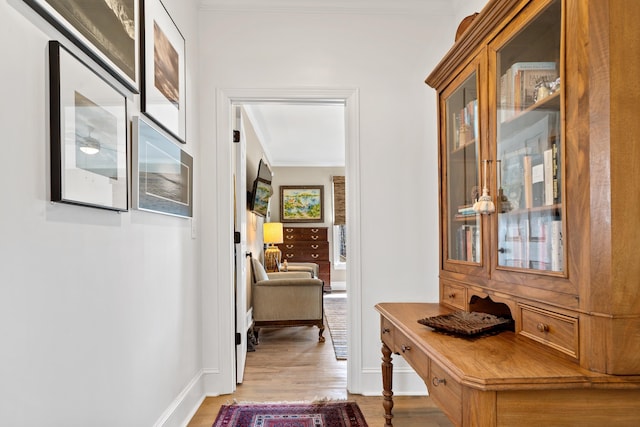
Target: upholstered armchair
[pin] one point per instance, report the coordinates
(286, 299)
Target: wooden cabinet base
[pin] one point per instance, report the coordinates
(500, 380)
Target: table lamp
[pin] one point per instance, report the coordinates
(272, 234)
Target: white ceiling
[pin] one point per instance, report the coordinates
(300, 133)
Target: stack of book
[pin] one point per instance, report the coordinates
(518, 85)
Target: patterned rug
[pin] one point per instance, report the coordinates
(335, 311)
(323, 414)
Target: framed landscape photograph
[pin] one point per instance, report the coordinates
(302, 203)
(89, 128)
(163, 70)
(107, 31)
(162, 171)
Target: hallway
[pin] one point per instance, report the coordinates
(290, 365)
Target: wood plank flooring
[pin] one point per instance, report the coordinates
(290, 365)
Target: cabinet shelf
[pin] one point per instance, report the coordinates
(531, 115)
(462, 148)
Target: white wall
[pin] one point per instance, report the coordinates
(386, 57)
(100, 316)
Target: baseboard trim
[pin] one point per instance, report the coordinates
(184, 406)
(405, 382)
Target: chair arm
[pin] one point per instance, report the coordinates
(290, 282)
(290, 275)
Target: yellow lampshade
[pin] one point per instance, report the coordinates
(272, 232)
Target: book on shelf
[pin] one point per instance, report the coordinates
(537, 180)
(528, 182)
(557, 246)
(468, 243)
(518, 85)
(555, 159)
(548, 177)
(466, 125)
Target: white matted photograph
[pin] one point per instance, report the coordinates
(88, 123)
(162, 171)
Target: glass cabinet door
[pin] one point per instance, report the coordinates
(462, 130)
(529, 145)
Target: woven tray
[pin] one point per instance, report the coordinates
(466, 323)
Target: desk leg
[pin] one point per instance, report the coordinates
(387, 384)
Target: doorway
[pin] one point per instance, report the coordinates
(226, 100)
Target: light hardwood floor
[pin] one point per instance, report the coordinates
(290, 365)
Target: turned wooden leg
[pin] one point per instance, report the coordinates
(387, 384)
(320, 337)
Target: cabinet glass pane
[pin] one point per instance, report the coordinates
(462, 172)
(529, 142)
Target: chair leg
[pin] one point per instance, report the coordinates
(320, 337)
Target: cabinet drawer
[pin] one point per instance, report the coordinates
(552, 329)
(310, 250)
(454, 295)
(299, 256)
(303, 233)
(446, 392)
(414, 357)
(387, 332)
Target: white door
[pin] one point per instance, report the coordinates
(240, 225)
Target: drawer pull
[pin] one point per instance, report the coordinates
(290, 246)
(437, 381)
(314, 256)
(289, 230)
(452, 295)
(386, 331)
(405, 348)
(315, 237)
(315, 230)
(289, 237)
(542, 327)
(289, 255)
(315, 246)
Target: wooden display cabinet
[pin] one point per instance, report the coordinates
(540, 92)
(543, 94)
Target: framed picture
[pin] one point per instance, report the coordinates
(162, 171)
(89, 128)
(163, 70)
(108, 32)
(260, 197)
(302, 203)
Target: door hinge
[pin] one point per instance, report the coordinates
(236, 136)
(238, 338)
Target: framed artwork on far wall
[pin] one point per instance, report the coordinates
(108, 32)
(302, 203)
(162, 171)
(163, 70)
(89, 128)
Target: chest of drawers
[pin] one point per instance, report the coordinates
(308, 244)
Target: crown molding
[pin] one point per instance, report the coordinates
(439, 7)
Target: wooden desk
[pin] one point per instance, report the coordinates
(500, 380)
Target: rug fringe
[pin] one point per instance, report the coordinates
(314, 401)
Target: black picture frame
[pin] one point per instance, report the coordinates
(162, 171)
(89, 135)
(302, 203)
(163, 97)
(110, 39)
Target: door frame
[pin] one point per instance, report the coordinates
(225, 98)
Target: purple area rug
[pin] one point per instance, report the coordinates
(323, 414)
